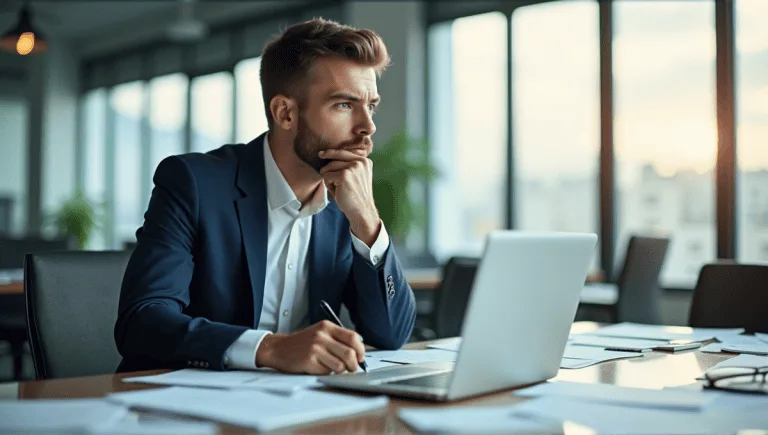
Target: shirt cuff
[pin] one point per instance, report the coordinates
(242, 353)
(374, 254)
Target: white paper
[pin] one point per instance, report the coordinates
(614, 419)
(376, 364)
(755, 349)
(614, 394)
(712, 348)
(452, 344)
(614, 342)
(744, 360)
(661, 332)
(413, 356)
(474, 420)
(51, 416)
(250, 408)
(576, 363)
(160, 427)
(761, 336)
(597, 354)
(739, 339)
(268, 380)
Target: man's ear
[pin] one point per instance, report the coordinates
(284, 111)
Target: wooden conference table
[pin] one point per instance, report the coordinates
(653, 370)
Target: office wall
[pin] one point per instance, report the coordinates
(14, 113)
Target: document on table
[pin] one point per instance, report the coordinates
(615, 343)
(256, 409)
(56, 416)
(475, 420)
(597, 354)
(452, 344)
(412, 356)
(660, 332)
(268, 380)
(744, 360)
(738, 344)
(615, 419)
(617, 395)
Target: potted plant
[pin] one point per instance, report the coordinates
(76, 218)
(395, 163)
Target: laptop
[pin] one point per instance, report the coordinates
(516, 325)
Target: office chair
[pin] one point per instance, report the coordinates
(729, 295)
(13, 321)
(72, 302)
(637, 287)
(453, 295)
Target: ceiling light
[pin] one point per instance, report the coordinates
(23, 38)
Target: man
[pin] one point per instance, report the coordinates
(240, 245)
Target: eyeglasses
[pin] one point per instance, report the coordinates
(738, 379)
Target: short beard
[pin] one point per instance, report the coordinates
(307, 144)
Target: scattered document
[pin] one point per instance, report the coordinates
(597, 354)
(614, 394)
(475, 420)
(754, 349)
(375, 364)
(268, 380)
(452, 344)
(664, 333)
(576, 363)
(744, 360)
(616, 419)
(250, 408)
(739, 339)
(55, 416)
(615, 343)
(160, 427)
(413, 356)
(761, 336)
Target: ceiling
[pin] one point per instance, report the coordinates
(99, 26)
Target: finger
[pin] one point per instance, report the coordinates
(345, 155)
(344, 353)
(334, 178)
(330, 361)
(337, 165)
(351, 339)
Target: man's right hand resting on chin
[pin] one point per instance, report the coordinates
(317, 350)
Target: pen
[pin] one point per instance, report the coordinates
(329, 312)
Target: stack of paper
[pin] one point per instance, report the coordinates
(250, 408)
(576, 357)
(452, 344)
(58, 416)
(615, 343)
(753, 361)
(737, 343)
(260, 379)
(660, 332)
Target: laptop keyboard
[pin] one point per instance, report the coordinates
(440, 380)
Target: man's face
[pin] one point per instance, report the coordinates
(337, 111)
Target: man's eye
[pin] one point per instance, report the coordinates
(372, 107)
(344, 106)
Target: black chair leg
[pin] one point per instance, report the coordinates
(17, 350)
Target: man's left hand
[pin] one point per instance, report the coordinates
(349, 178)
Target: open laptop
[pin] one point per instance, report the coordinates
(516, 325)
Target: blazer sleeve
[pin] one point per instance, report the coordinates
(380, 301)
(151, 323)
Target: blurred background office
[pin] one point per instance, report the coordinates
(624, 118)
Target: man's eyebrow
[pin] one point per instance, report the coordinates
(351, 97)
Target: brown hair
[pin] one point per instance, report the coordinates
(287, 59)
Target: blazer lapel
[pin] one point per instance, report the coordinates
(321, 259)
(252, 215)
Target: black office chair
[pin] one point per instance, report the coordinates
(453, 295)
(13, 322)
(639, 294)
(72, 302)
(729, 295)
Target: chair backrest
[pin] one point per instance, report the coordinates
(731, 295)
(453, 295)
(638, 282)
(72, 302)
(13, 250)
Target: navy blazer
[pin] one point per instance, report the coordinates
(195, 281)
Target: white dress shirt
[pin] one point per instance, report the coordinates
(285, 307)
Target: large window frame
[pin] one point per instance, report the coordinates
(725, 165)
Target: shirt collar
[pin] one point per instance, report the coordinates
(279, 192)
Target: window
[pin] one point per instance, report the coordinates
(751, 93)
(14, 113)
(167, 116)
(127, 102)
(94, 113)
(467, 131)
(211, 111)
(556, 116)
(251, 118)
(665, 130)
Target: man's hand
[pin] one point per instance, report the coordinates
(317, 350)
(349, 178)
